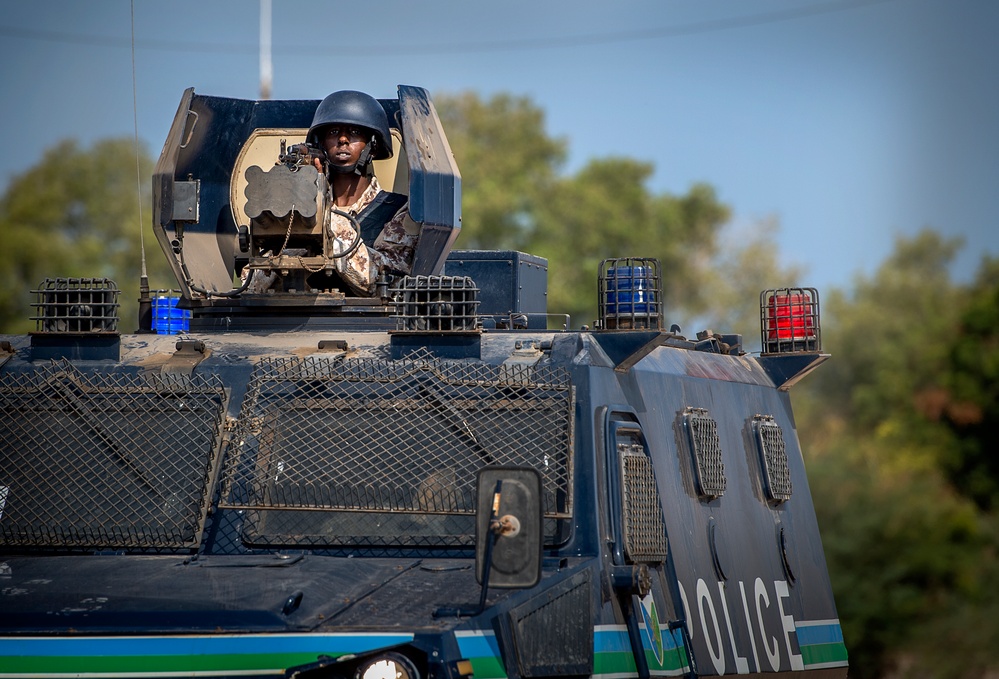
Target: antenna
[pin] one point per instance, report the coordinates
(266, 69)
(145, 301)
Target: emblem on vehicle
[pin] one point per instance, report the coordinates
(651, 617)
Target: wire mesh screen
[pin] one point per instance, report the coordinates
(106, 459)
(773, 456)
(372, 452)
(644, 527)
(705, 447)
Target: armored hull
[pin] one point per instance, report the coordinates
(293, 486)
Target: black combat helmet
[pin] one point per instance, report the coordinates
(354, 108)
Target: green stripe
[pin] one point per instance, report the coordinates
(155, 663)
(487, 667)
(624, 663)
(613, 663)
(671, 660)
(823, 653)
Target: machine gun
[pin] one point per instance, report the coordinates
(288, 207)
(300, 155)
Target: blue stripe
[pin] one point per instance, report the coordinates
(478, 646)
(611, 641)
(181, 645)
(819, 634)
(617, 641)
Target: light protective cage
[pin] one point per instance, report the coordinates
(76, 305)
(629, 294)
(168, 317)
(789, 321)
(435, 304)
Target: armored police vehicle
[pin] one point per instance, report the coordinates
(435, 481)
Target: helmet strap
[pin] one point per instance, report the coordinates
(363, 167)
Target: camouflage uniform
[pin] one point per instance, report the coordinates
(393, 250)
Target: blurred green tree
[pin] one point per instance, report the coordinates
(912, 558)
(888, 339)
(746, 263)
(902, 550)
(606, 210)
(508, 165)
(970, 402)
(76, 214)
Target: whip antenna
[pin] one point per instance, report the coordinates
(145, 301)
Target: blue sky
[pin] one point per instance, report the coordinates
(847, 121)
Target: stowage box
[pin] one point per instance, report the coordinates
(502, 295)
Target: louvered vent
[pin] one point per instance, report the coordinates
(773, 458)
(705, 449)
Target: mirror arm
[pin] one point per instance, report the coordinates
(495, 528)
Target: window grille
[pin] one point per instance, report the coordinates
(773, 458)
(705, 449)
(372, 452)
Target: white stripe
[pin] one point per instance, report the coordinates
(816, 623)
(475, 633)
(610, 628)
(826, 665)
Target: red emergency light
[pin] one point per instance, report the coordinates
(789, 320)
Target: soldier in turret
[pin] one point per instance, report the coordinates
(351, 129)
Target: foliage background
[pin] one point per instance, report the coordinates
(899, 430)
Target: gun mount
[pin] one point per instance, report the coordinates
(235, 192)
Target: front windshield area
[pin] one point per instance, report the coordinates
(369, 452)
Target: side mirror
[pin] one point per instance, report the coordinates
(509, 534)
